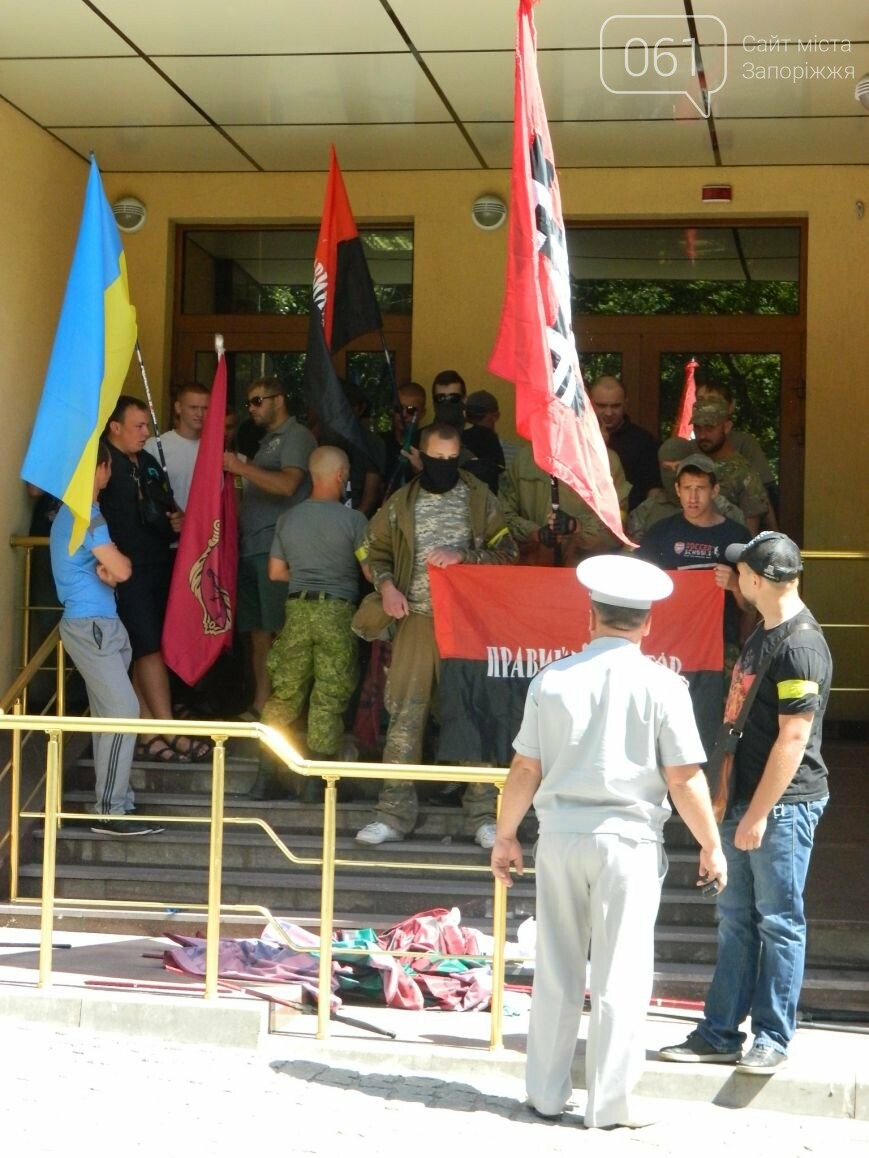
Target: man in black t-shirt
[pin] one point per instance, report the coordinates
(699, 536)
(697, 539)
(144, 522)
(780, 789)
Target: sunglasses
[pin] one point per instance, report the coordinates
(438, 398)
(258, 399)
(411, 410)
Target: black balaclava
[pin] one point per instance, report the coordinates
(439, 475)
(452, 413)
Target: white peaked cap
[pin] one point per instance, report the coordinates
(623, 581)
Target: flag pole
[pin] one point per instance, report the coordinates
(388, 360)
(150, 400)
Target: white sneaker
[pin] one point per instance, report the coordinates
(485, 835)
(377, 833)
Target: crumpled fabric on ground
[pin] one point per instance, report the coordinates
(442, 979)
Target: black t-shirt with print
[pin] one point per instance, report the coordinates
(675, 544)
(798, 680)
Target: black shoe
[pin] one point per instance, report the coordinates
(313, 791)
(695, 1048)
(123, 827)
(762, 1059)
(266, 787)
(545, 1117)
(448, 795)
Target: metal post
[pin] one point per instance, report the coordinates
(61, 711)
(49, 858)
(499, 938)
(215, 867)
(25, 626)
(15, 807)
(327, 908)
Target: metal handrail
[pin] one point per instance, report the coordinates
(220, 732)
(331, 772)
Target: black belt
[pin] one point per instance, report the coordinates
(317, 596)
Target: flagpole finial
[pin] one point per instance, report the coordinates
(218, 345)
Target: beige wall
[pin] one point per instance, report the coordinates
(459, 272)
(41, 197)
(458, 278)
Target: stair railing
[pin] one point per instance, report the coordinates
(331, 772)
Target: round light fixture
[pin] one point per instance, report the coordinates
(489, 211)
(861, 92)
(129, 213)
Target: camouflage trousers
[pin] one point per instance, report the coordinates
(410, 688)
(313, 662)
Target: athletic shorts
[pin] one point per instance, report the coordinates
(261, 601)
(142, 605)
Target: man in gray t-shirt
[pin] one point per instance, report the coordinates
(318, 550)
(274, 480)
(605, 735)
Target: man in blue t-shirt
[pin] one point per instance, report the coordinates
(98, 644)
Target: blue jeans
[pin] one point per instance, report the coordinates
(762, 930)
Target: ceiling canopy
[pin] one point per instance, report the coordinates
(267, 85)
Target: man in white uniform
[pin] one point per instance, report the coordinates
(606, 733)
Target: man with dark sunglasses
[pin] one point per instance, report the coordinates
(274, 480)
(408, 417)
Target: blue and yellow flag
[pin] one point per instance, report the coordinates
(92, 350)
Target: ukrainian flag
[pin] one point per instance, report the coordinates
(92, 350)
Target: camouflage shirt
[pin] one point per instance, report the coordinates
(442, 520)
(741, 485)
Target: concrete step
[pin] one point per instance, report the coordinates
(157, 776)
(435, 822)
(824, 990)
(293, 891)
(252, 849)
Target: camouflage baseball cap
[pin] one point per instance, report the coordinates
(709, 411)
(698, 462)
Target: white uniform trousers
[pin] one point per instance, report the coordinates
(605, 889)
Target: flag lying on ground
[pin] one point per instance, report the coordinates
(200, 613)
(89, 360)
(684, 428)
(535, 347)
(344, 308)
(496, 627)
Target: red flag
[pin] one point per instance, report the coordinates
(344, 308)
(343, 290)
(535, 347)
(684, 426)
(501, 614)
(200, 613)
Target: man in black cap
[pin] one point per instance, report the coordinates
(605, 735)
(779, 793)
(479, 436)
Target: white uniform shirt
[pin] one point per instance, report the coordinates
(602, 724)
(180, 460)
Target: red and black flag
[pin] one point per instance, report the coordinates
(535, 347)
(344, 308)
(684, 427)
(200, 613)
(497, 627)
